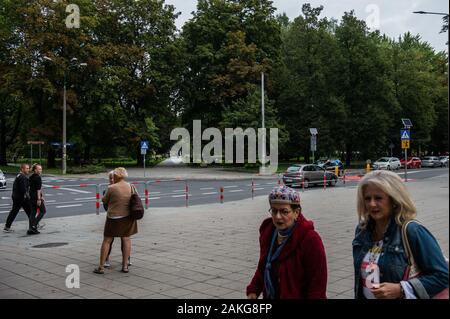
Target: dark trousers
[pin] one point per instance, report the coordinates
(17, 205)
(38, 215)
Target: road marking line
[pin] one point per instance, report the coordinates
(84, 198)
(206, 188)
(230, 186)
(60, 194)
(154, 197)
(49, 195)
(253, 184)
(212, 193)
(6, 197)
(179, 191)
(258, 189)
(269, 183)
(236, 190)
(49, 201)
(71, 190)
(65, 206)
(180, 195)
(5, 212)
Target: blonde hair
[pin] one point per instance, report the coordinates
(391, 184)
(120, 173)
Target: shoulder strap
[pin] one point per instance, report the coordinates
(411, 262)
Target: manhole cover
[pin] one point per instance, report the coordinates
(49, 245)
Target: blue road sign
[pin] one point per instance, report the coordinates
(144, 145)
(405, 135)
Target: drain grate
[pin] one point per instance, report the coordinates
(50, 245)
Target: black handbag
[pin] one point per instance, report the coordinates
(136, 207)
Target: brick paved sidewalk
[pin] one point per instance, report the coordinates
(207, 251)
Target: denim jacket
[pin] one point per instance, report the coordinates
(393, 260)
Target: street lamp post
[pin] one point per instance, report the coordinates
(73, 61)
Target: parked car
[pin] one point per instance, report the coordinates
(431, 161)
(444, 161)
(309, 174)
(389, 163)
(413, 162)
(2, 180)
(331, 166)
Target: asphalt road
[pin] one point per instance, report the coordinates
(69, 199)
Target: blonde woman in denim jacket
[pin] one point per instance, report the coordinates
(379, 257)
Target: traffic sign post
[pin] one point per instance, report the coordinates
(405, 136)
(144, 148)
(314, 133)
(31, 143)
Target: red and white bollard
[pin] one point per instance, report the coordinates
(253, 188)
(344, 176)
(221, 195)
(146, 196)
(324, 181)
(187, 194)
(97, 198)
(303, 183)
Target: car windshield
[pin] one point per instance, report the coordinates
(427, 158)
(384, 159)
(293, 169)
(442, 158)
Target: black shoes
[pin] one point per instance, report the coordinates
(33, 232)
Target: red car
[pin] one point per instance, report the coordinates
(413, 162)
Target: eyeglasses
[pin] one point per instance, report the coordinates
(283, 212)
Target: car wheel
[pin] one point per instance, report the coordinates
(388, 168)
(332, 182)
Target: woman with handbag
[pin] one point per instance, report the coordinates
(119, 223)
(105, 206)
(390, 246)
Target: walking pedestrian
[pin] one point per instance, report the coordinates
(21, 199)
(119, 223)
(386, 233)
(292, 263)
(38, 208)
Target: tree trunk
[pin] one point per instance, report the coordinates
(348, 155)
(87, 153)
(3, 160)
(51, 162)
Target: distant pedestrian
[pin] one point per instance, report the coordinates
(21, 199)
(119, 223)
(386, 215)
(292, 262)
(105, 206)
(38, 208)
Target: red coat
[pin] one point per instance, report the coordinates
(301, 267)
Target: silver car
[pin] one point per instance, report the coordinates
(431, 161)
(2, 180)
(444, 161)
(308, 174)
(389, 163)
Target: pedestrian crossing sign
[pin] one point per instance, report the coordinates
(405, 144)
(144, 145)
(405, 135)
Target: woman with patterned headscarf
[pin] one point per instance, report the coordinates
(292, 263)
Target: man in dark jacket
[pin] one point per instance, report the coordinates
(37, 197)
(21, 199)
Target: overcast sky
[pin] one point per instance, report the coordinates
(395, 16)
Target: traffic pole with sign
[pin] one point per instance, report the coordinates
(405, 137)
(144, 148)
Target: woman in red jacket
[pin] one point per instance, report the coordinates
(292, 263)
